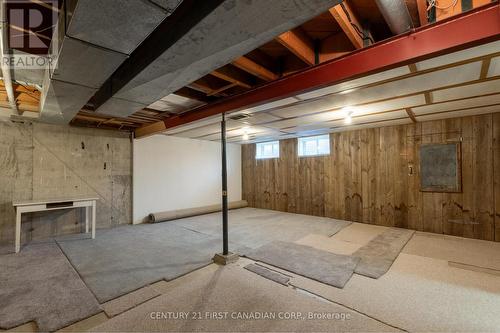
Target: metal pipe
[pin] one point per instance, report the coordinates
(396, 15)
(225, 250)
(4, 49)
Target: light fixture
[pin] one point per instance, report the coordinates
(245, 133)
(348, 111)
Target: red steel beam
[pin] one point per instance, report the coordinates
(472, 28)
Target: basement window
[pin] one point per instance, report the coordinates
(314, 145)
(267, 150)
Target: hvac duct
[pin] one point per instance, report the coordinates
(229, 31)
(396, 15)
(91, 41)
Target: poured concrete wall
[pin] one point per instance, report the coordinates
(39, 161)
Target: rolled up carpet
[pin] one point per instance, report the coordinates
(181, 213)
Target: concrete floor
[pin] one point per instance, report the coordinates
(455, 288)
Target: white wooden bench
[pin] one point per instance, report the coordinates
(55, 204)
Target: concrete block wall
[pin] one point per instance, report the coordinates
(39, 161)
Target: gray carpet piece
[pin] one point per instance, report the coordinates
(326, 267)
(268, 274)
(126, 258)
(39, 284)
(378, 255)
(251, 228)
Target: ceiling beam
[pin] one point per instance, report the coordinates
(26, 98)
(254, 68)
(299, 43)
(412, 68)
(348, 22)
(485, 66)
(411, 115)
(203, 88)
(422, 12)
(194, 94)
(422, 43)
(222, 89)
(211, 85)
(334, 46)
(233, 75)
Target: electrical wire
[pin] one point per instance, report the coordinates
(433, 3)
(358, 30)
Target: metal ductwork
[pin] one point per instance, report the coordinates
(91, 41)
(396, 15)
(229, 31)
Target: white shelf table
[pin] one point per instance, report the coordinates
(55, 204)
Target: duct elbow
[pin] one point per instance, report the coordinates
(396, 15)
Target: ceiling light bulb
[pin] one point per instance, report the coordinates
(245, 137)
(348, 111)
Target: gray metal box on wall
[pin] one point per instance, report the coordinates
(440, 167)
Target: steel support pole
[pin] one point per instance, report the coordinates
(225, 250)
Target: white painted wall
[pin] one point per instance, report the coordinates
(175, 173)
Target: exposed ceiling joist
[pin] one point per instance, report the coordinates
(194, 94)
(250, 66)
(484, 68)
(203, 87)
(334, 46)
(408, 48)
(222, 89)
(233, 75)
(411, 115)
(26, 98)
(300, 44)
(422, 12)
(348, 22)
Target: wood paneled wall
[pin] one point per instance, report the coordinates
(367, 178)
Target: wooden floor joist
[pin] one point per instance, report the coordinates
(254, 68)
(299, 44)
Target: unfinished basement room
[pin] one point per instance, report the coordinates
(250, 166)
